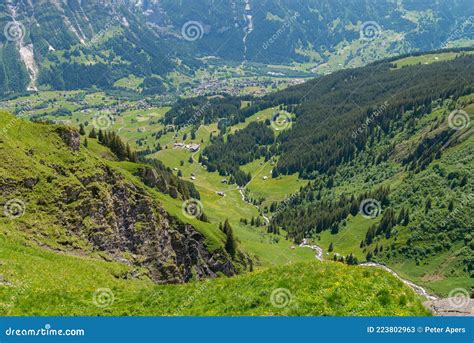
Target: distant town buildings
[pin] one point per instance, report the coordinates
(193, 147)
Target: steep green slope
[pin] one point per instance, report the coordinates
(36, 281)
(63, 197)
(82, 235)
(395, 135)
(418, 180)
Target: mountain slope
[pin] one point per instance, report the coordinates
(36, 281)
(283, 31)
(59, 195)
(81, 235)
(79, 44)
(393, 141)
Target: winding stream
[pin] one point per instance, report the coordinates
(418, 289)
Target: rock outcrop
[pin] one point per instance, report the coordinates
(70, 137)
(83, 206)
(455, 306)
(120, 218)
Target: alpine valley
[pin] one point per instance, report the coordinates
(240, 157)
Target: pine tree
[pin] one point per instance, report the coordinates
(427, 205)
(230, 244)
(331, 247)
(93, 133)
(451, 205)
(82, 132)
(406, 220)
(369, 256)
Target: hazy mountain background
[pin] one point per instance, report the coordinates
(78, 44)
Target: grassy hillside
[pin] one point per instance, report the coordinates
(434, 248)
(60, 195)
(58, 258)
(38, 281)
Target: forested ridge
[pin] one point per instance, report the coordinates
(94, 44)
(337, 115)
(358, 131)
(336, 106)
(246, 145)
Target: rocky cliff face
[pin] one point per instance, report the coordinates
(75, 202)
(125, 221)
(70, 137)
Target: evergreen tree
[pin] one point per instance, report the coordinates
(451, 205)
(93, 133)
(230, 244)
(101, 136)
(427, 205)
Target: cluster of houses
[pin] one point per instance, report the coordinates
(193, 147)
(235, 87)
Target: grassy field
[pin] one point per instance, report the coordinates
(266, 249)
(348, 239)
(47, 271)
(263, 185)
(429, 58)
(37, 281)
